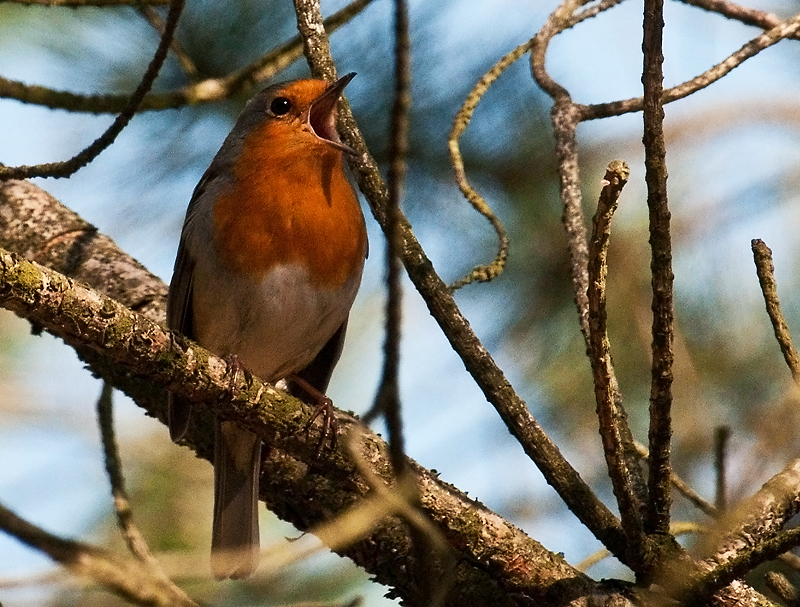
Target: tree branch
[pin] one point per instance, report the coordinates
(479, 363)
(784, 29)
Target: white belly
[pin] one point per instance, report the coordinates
(276, 325)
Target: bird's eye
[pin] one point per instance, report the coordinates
(280, 106)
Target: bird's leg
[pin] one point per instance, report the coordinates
(330, 427)
(235, 367)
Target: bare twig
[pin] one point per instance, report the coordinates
(77, 162)
(590, 12)
(785, 29)
(204, 91)
(133, 537)
(610, 411)
(565, 116)
(127, 579)
(762, 255)
(187, 64)
(660, 432)
(745, 14)
(387, 400)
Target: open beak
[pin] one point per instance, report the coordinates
(322, 115)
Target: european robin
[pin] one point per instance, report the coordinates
(269, 262)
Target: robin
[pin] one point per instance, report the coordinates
(269, 262)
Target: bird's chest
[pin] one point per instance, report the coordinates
(303, 215)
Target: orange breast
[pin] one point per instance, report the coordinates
(291, 203)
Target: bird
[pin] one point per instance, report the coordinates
(269, 263)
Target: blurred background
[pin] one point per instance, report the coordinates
(734, 162)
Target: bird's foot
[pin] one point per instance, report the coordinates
(324, 408)
(235, 368)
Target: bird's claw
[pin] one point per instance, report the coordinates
(330, 426)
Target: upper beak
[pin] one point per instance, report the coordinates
(322, 114)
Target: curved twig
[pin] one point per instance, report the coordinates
(483, 273)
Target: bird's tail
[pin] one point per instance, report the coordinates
(235, 542)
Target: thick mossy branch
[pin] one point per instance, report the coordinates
(140, 355)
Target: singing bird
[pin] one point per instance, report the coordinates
(269, 263)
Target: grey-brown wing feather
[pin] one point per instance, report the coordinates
(179, 310)
(318, 372)
(179, 318)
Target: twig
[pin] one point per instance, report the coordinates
(488, 272)
(590, 12)
(610, 411)
(745, 14)
(187, 64)
(721, 436)
(133, 537)
(387, 399)
(80, 3)
(565, 116)
(660, 432)
(204, 91)
(762, 255)
(785, 29)
(684, 488)
(77, 162)
(121, 577)
(479, 363)
(740, 564)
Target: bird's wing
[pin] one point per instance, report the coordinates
(318, 372)
(179, 307)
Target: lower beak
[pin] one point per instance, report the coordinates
(322, 115)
